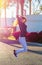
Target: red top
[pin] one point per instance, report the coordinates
(22, 27)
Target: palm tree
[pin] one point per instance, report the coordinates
(4, 4)
(36, 5)
(41, 7)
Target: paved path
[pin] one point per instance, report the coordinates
(32, 57)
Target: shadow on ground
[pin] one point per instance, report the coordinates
(10, 42)
(36, 52)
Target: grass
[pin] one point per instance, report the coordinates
(32, 57)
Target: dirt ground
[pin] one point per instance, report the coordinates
(32, 57)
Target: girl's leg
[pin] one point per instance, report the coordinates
(22, 41)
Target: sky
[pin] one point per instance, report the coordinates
(12, 8)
